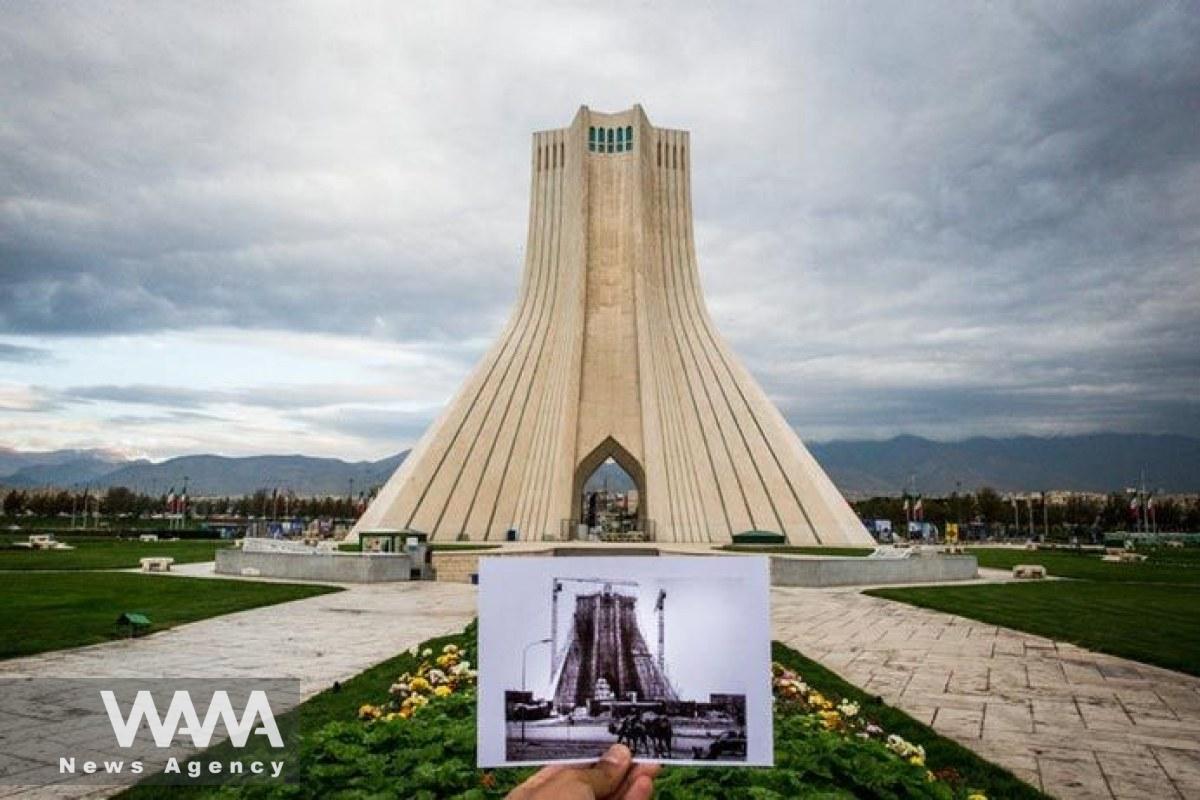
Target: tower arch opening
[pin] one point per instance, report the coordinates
(610, 494)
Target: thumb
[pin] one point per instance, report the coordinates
(606, 775)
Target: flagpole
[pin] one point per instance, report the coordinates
(1045, 518)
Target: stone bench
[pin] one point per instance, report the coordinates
(1123, 557)
(157, 564)
(1029, 571)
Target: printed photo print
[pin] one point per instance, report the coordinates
(667, 655)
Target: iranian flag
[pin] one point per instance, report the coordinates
(171, 501)
(918, 509)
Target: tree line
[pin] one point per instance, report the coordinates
(1078, 513)
(119, 501)
(986, 506)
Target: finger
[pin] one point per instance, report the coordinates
(648, 770)
(607, 774)
(535, 781)
(641, 788)
(545, 775)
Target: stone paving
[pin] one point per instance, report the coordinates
(318, 640)
(1077, 724)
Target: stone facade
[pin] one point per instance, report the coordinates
(611, 353)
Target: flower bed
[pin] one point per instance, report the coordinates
(410, 733)
(436, 677)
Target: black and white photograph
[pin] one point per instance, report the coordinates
(669, 656)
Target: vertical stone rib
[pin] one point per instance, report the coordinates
(534, 276)
(531, 487)
(714, 498)
(431, 517)
(718, 346)
(744, 459)
(668, 451)
(681, 479)
(539, 521)
(737, 507)
(528, 373)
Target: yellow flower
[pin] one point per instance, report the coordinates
(369, 712)
(419, 684)
(819, 700)
(441, 691)
(917, 760)
(830, 719)
(450, 648)
(977, 796)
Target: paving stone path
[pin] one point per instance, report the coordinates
(318, 640)
(1077, 724)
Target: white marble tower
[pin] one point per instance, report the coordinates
(610, 353)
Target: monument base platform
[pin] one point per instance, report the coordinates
(786, 569)
(325, 567)
(841, 571)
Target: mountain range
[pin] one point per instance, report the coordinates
(206, 475)
(1093, 463)
(1099, 463)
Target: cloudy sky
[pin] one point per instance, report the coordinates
(291, 228)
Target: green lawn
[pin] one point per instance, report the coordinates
(98, 552)
(447, 757)
(50, 611)
(1163, 566)
(1150, 622)
(788, 549)
(1147, 611)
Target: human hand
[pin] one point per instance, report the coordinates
(613, 777)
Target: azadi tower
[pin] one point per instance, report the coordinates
(610, 353)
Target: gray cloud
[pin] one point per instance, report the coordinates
(23, 355)
(376, 425)
(182, 398)
(934, 218)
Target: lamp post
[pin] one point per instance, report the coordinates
(524, 664)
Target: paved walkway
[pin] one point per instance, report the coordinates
(318, 640)
(1076, 723)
